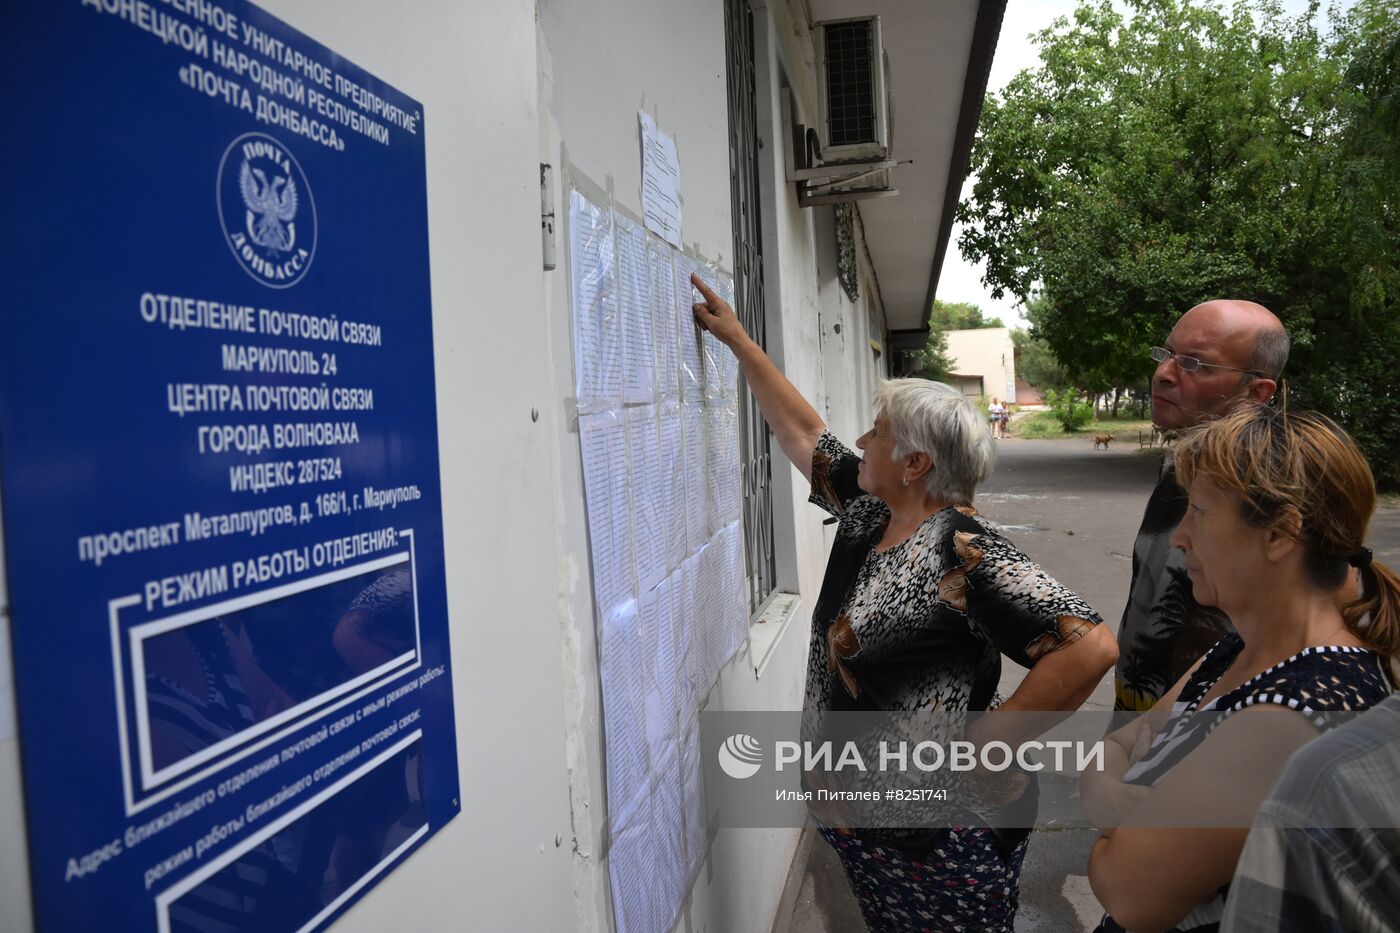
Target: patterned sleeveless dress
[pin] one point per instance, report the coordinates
(924, 626)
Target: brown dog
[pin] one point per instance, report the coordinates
(1102, 439)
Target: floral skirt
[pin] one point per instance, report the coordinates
(963, 883)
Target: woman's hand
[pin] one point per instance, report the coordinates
(1183, 839)
(795, 423)
(716, 316)
(1108, 800)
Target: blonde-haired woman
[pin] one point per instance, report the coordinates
(1275, 527)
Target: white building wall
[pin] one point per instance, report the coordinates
(672, 64)
(506, 86)
(987, 352)
(847, 329)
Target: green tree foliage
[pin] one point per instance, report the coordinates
(1184, 151)
(959, 315)
(937, 364)
(1069, 408)
(1036, 363)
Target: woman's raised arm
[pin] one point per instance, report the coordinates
(794, 422)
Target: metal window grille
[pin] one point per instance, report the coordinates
(756, 469)
(850, 101)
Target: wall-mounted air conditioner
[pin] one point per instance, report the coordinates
(853, 74)
(846, 156)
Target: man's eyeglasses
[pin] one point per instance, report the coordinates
(1189, 364)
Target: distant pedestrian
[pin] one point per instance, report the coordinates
(994, 413)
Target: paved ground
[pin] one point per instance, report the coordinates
(1075, 510)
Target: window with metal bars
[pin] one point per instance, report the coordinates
(756, 468)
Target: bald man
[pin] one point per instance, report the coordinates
(1218, 352)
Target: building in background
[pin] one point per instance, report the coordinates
(1027, 395)
(984, 362)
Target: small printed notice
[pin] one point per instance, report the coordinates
(661, 182)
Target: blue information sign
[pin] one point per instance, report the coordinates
(223, 531)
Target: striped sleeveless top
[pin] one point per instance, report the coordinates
(1317, 680)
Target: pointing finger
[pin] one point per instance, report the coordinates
(709, 293)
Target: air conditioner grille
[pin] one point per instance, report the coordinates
(849, 84)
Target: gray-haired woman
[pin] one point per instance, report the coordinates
(921, 598)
